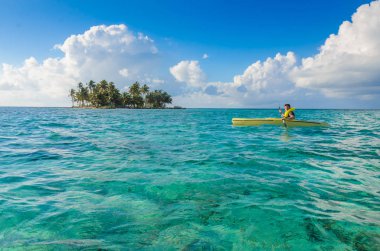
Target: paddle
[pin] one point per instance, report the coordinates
(283, 119)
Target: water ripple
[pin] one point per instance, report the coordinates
(187, 180)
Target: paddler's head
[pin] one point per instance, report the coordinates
(287, 106)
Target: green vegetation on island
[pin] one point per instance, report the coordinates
(105, 95)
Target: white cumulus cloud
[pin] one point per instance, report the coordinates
(124, 72)
(261, 84)
(270, 76)
(348, 63)
(102, 52)
(188, 71)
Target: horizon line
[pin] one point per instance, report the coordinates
(231, 108)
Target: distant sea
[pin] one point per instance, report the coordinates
(77, 179)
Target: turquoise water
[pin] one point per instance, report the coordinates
(73, 179)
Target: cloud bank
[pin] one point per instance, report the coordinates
(348, 63)
(111, 52)
(262, 84)
(347, 67)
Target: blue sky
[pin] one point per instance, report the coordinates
(234, 34)
(244, 30)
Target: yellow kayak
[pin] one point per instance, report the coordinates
(274, 121)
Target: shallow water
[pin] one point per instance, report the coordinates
(187, 180)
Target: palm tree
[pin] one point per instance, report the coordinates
(86, 96)
(91, 86)
(114, 96)
(158, 99)
(138, 101)
(73, 97)
(134, 90)
(102, 93)
(79, 94)
(82, 93)
(144, 91)
(127, 99)
(166, 99)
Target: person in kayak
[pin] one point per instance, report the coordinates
(288, 115)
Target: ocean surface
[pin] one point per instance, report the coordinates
(76, 179)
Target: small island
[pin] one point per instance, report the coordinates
(106, 95)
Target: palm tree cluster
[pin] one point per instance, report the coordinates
(105, 95)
